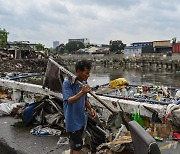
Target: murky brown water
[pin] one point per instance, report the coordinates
(101, 75)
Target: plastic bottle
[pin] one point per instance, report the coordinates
(131, 94)
(124, 92)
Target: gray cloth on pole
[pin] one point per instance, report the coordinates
(53, 78)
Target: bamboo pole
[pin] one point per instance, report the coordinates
(90, 92)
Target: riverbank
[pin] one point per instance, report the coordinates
(101, 74)
(114, 60)
(157, 61)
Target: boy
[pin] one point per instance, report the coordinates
(74, 103)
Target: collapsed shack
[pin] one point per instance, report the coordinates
(10, 54)
(21, 50)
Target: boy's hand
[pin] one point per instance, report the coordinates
(93, 113)
(86, 88)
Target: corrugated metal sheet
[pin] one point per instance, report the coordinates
(176, 48)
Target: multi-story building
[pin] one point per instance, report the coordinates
(85, 41)
(139, 48)
(132, 50)
(163, 46)
(55, 44)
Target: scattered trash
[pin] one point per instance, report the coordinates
(176, 136)
(137, 117)
(150, 94)
(117, 145)
(154, 118)
(6, 108)
(177, 95)
(161, 130)
(158, 138)
(173, 116)
(46, 131)
(63, 141)
(118, 83)
(66, 152)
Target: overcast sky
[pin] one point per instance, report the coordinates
(44, 21)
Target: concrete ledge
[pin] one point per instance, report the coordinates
(18, 140)
(6, 149)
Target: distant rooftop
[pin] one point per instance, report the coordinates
(133, 47)
(162, 41)
(20, 42)
(141, 42)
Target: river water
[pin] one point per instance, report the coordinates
(140, 76)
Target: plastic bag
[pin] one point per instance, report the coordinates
(137, 117)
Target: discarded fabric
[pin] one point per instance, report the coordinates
(46, 131)
(6, 108)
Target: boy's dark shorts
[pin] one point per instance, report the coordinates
(76, 141)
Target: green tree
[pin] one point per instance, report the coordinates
(91, 45)
(74, 45)
(25, 46)
(40, 47)
(60, 49)
(3, 37)
(116, 46)
(47, 50)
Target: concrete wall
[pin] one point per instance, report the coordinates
(175, 56)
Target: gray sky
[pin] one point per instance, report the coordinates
(44, 21)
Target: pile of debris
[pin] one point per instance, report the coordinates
(46, 115)
(114, 135)
(30, 65)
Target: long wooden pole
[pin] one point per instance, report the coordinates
(90, 92)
